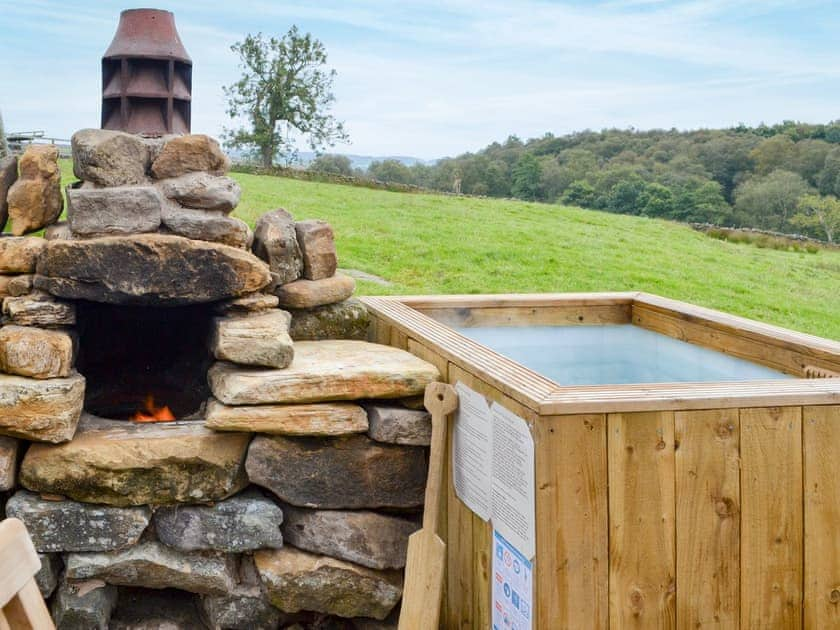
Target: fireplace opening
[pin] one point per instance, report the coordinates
(144, 363)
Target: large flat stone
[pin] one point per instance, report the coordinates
(205, 225)
(86, 604)
(72, 526)
(154, 565)
(251, 303)
(320, 419)
(349, 472)
(109, 158)
(317, 246)
(124, 210)
(343, 320)
(9, 449)
(311, 293)
(374, 540)
(203, 191)
(398, 425)
(8, 176)
(41, 410)
(18, 254)
(296, 580)
(245, 522)
(35, 199)
(188, 154)
(35, 352)
(325, 371)
(124, 463)
(38, 309)
(150, 269)
(276, 243)
(260, 339)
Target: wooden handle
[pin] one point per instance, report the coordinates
(440, 400)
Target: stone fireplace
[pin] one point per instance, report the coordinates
(189, 412)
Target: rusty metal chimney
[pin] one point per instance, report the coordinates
(146, 76)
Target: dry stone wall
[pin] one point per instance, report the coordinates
(287, 501)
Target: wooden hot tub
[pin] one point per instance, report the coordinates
(681, 504)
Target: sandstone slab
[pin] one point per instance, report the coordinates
(8, 176)
(87, 605)
(189, 154)
(48, 574)
(149, 269)
(317, 247)
(38, 310)
(203, 191)
(343, 320)
(5, 281)
(326, 371)
(259, 339)
(398, 425)
(72, 526)
(123, 463)
(18, 254)
(109, 158)
(244, 522)
(124, 210)
(154, 565)
(35, 199)
(296, 580)
(41, 410)
(9, 449)
(20, 285)
(275, 241)
(252, 303)
(321, 419)
(374, 540)
(311, 293)
(35, 352)
(205, 225)
(350, 472)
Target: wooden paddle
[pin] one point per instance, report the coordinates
(426, 551)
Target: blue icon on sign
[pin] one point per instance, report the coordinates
(507, 589)
(499, 552)
(515, 599)
(524, 609)
(516, 566)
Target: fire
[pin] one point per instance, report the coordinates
(151, 413)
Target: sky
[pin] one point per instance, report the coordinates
(432, 79)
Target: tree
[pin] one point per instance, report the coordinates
(768, 202)
(526, 177)
(818, 214)
(392, 171)
(579, 193)
(331, 163)
(285, 93)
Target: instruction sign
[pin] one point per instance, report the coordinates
(512, 588)
(472, 451)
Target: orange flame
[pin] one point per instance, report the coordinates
(151, 413)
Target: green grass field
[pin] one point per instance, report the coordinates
(440, 244)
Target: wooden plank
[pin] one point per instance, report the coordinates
(771, 517)
(379, 330)
(486, 300)
(765, 350)
(572, 524)
(687, 396)
(708, 518)
(642, 520)
(821, 449)
(27, 610)
(530, 315)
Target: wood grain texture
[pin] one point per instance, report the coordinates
(821, 447)
(708, 518)
(572, 574)
(642, 520)
(538, 315)
(771, 517)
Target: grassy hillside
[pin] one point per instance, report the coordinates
(440, 244)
